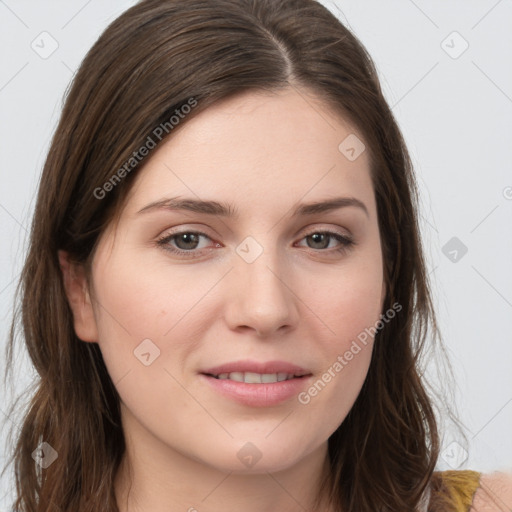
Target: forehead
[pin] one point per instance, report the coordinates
(258, 147)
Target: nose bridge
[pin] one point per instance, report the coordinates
(259, 267)
(262, 298)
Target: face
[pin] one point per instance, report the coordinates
(264, 291)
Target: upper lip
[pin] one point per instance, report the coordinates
(257, 367)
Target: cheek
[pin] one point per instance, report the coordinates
(352, 313)
(348, 309)
(333, 392)
(138, 301)
(132, 307)
(346, 302)
(150, 309)
(136, 311)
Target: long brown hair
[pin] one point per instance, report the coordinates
(147, 64)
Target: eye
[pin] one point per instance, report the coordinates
(186, 243)
(319, 239)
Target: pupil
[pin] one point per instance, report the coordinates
(191, 237)
(317, 239)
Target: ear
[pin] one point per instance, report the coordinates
(77, 292)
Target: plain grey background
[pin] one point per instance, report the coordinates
(446, 70)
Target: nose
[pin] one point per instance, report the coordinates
(260, 296)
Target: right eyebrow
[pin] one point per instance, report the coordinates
(192, 205)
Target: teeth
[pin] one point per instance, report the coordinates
(256, 378)
(238, 376)
(252, 378)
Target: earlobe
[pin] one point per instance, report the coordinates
(77, 293)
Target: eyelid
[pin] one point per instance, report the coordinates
(317, 229)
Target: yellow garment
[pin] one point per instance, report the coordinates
(459, 488)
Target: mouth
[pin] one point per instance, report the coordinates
(257, 384)
(256, 378)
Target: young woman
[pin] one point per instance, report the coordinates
(225, 295)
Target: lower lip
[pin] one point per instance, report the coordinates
(258, 395)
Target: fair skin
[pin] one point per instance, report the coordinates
(301, 301)
(182, 437)
(494, 493)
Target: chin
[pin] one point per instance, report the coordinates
(257, 454)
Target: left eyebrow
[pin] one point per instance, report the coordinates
(228, 210)
(329, 205)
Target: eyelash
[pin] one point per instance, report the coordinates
(345, 241)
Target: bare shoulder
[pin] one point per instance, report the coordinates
(494, 493)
